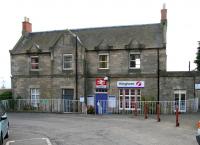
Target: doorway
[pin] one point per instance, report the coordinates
(68, 95)
(101, 100)
(180, 100)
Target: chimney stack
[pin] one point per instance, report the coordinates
(164, 14)
(26, 26)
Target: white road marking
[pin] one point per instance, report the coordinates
(46, 139)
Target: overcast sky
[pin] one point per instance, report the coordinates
(45, 15)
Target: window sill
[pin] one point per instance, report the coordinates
(70, 69)
(35, 70)
(103, 68)
(132, 68)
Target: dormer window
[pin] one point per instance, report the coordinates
(34, 62)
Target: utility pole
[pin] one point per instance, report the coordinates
(189, 65)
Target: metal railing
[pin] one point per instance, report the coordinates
(166, 107)
(102, 107)
(44, 105)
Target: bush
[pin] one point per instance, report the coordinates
(6, 95)
(90, 110)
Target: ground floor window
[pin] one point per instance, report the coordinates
(68, 94)
(35, 96)
(129, 98)
(180, 100)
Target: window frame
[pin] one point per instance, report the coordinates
(125, 100)
(67, 61)
(38, 63)
(36, 93)
(107, 62)
(134, 53)
(178, 100)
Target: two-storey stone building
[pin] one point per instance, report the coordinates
(124, 63)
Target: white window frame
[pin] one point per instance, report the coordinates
(181, 103)
(35, 96)
(129, 99)
(68, 62)
(103, 54)
(31, 63)
(134, 53)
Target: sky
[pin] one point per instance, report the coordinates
(46, 15)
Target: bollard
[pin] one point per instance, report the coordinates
(158, 112)
(198, 133)
(145, 111)
(177, 117)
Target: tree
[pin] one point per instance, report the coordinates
(197, 61)
(6, 95)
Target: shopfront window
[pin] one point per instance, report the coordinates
(129, 98)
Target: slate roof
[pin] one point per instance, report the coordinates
(42, 40)
(150, 35)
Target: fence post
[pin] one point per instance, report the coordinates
(177, 117)
(19, 105)
(135, 111)
(158, 112)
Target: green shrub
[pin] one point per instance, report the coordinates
(90, 110)
(6, 95)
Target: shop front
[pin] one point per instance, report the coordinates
(129, 94)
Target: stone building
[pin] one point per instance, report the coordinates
(124, 63)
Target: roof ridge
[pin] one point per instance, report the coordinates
(108, 27)
(103, 27)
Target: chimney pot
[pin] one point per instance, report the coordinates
(164, 13)
(26, 26)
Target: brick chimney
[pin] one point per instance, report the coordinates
(26, 26)
(164, 14)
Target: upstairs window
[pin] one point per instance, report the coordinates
(134, 61)
(34, 62)
(103, 61)
(67, 61)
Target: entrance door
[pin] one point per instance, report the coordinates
(68, 95)
(101, 103)
(101, 100)
(180, 100)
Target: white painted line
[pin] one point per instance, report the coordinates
(46, 139)
(7, 143)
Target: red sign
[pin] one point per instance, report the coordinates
(101, 83)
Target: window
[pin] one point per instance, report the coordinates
(129, 98)
(67, 61)
(103, 61)
(180, 100)
(101, 90)
(35, 95)
(34, 62)
(134, 61)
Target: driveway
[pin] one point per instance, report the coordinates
(70, 129)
